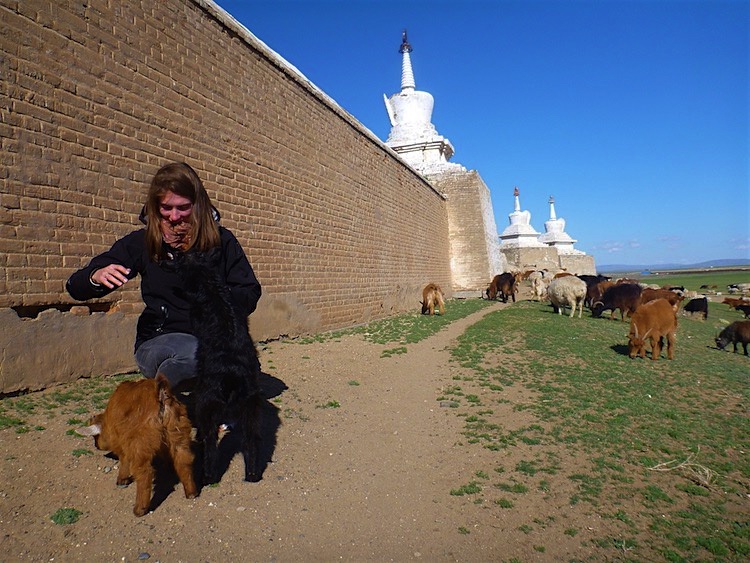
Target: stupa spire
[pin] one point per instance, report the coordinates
(407, 74)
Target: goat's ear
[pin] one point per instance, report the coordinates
(93, 430)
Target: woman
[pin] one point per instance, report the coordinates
(179, 217)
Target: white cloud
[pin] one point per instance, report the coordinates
(614, 246)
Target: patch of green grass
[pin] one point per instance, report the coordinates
(589, 488)
(333, 404)
(469, 489)
(693, 489)
(654, 494)
(78, 452)
(528, 467)
(7, 421)
(393, 352)
(64, 516)
(518, 488)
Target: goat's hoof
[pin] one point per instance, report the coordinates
(138, 511)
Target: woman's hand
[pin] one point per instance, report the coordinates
(111, 276)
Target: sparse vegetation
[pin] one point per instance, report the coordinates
(65, 516)
(662, 432)
(333, 404)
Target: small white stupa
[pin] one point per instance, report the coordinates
(519, 233)
(413, 136)
(555, 234)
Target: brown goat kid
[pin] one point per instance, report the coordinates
(144, 420)
(653, 320)
(432, 296)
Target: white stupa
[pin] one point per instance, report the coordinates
(413, 136)
(519, 233)
(555, 234)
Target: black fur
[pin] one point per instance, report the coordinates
(227, 390)
(737, 333)
(697, 305)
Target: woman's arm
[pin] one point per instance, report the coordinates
(107, 271)
(243, 284)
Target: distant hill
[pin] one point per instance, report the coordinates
(656, 267)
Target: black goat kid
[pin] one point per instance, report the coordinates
(227, 391)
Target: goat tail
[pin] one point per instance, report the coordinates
(164, 391)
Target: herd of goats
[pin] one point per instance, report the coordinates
(652, 309)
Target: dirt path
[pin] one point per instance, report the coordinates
(367, 480)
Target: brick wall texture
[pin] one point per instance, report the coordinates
(95, 96)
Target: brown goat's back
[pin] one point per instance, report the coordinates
(653, 320)
(143, 420)
(432, 297)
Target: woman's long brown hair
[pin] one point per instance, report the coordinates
(181, 179)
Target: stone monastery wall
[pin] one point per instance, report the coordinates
(475, 248)
(95, 96)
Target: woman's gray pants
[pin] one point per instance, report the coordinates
(172, 354)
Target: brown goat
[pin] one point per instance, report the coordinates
(505, 285)
(595, 292)
(144, 420)
(432, 296)
(651, 294)
(653, 320)
(735, 301)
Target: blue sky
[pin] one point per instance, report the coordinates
(633, 114)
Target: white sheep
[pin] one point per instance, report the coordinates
(539, 285)
(569, 291)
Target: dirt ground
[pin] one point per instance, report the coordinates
(368, 480)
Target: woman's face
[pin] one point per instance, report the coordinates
(175, 208)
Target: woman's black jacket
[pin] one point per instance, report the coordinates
(165, 310)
